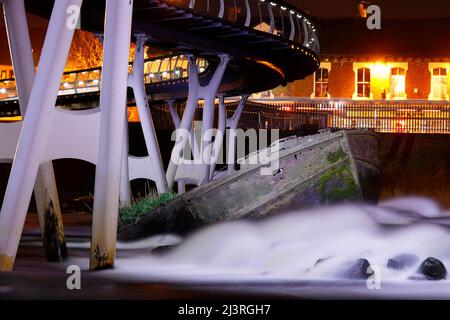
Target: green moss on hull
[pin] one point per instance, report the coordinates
(335, 156)
(338, 184)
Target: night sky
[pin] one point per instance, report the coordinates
(389, 8)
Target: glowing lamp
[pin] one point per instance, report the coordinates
(381, 70)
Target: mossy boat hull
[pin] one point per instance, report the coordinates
(326, 168)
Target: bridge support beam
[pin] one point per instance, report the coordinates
(193, 147)
(176, 121)
(35, 129)
(45, 191)
(186, 122)
(232, 123)
(209, 93)
(196, 92)
(125, 187)
(151, 166)
(112, 129)
(220, 134)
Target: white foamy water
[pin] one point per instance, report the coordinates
(287, 247)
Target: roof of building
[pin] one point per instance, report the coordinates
(422, 38)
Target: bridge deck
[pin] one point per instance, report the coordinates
(267, 41)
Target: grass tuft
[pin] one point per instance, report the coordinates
(131, 214)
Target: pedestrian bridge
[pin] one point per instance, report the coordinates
(271, 43)
(218, 48)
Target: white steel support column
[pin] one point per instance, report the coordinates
(136, 81)
(174, 114)
(45, 191)
(220, 135)
(112, 127)
(193, 147)
(196, 91)
(31, 147)
(185, 123)
(232, 123)
(20, 49)
(176, 121)
(125, 188)
(208, 93)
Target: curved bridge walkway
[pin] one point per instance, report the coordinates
(250, 45)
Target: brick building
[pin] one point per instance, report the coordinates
(405, 60)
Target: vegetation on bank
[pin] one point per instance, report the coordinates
(143, 206)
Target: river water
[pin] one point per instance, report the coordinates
(308, 254)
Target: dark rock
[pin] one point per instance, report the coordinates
(162, 250)
(406, 259)
(358, 270)
(395, 264)
(433, 269)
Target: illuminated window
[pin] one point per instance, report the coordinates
(398, 83)
(321, 83)
(363, 83)
(439, 84)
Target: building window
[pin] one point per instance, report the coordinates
(363, 83)
(439, 84)
(321, 83)
(398, 83)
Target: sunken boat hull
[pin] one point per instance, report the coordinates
(326, 168)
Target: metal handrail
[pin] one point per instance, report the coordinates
(395, 116)
(275, 17)
(335, 101)
(160, 69)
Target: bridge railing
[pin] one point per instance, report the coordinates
(160, 69)
(408, 116)
(274, 17)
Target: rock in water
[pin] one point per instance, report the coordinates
(407, 259)
(433, 269)
(402, 261)
(358, 270)
(395, 264)
(162, 250)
